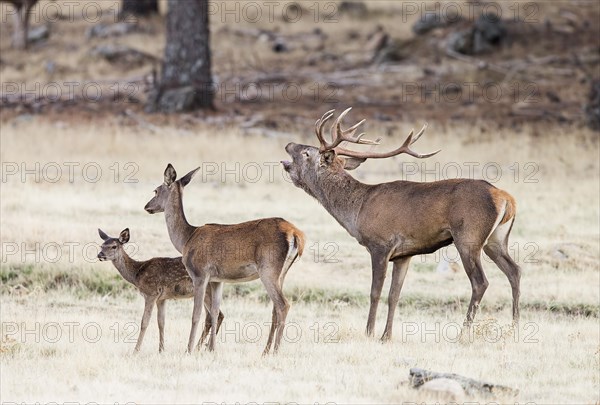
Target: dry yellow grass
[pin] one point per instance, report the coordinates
(555, 357)
(97, 364)
(51, 282)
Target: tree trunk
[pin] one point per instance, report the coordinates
(21, 16)
(138, 7)
(186, 82)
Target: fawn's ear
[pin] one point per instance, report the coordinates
(124, 236)
(103, 235)
(351, 163)
(327, 157)
(170, 175)
(188, 177)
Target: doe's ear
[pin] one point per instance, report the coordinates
(327, 157)
(351, 163)
(170, 174)
(188, 177)
(124, 236)
(103, 236)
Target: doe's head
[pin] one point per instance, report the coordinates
(112, 247)
(163, 192)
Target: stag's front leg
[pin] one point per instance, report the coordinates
(379, 267)
(398, 276)
(199, 292)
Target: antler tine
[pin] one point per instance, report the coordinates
(408, 141)
(421, 132)
(402, 149)
(361, 141)
(339, 135)
(336, 129)
(319, 127)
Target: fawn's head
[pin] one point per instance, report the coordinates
(310, 163)
(112, 247)
(164, 191)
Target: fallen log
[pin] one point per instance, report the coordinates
(419, 376)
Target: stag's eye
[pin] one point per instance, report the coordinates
(113, 247)
(155, 193)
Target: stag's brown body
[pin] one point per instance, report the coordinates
(214, 253)
(401, 219)
(411, 218)
(158, 280)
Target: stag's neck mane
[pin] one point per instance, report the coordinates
(342, 196)
(180, 231)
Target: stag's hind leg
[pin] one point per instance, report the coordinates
(470, 254)
(497, 250)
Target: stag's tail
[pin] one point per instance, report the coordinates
(506, 206)
(505, 202)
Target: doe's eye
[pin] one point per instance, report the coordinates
(305, 154)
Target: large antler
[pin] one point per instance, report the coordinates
(338, 136)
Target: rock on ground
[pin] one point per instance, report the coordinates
(444, 389)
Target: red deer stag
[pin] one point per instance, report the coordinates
(398, 220)
(158, 280)
(213, 253)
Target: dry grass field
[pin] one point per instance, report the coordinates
(69, 323)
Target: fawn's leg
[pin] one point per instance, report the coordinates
(149, 305)
(160, 307)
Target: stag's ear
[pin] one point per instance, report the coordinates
(124, 236)
(351, 163)
(170, 175)
(103, 235)
(188, 177)
(327, 157)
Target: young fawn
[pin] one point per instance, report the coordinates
(158, 280)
